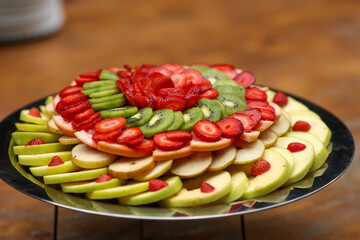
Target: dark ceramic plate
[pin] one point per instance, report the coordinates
(338, 161)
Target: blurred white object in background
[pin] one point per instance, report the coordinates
(29, 19)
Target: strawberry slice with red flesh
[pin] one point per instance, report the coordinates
(131, 136)
(191, 99)
(62, 107)
(193, 76)
(163, 143)
(161, 70)
(302, 126)
(159, 81)
(205, 85)
(260, 105)
(156, 185)
(131, 98)
(138, 77)
(231, 73)
(35, 141)
(260, 167)
(179, 79)
(173, 103)
(245, 78)
(88, 123)
(113, 69)
(93, 75)
(179, 136)
(280, 99)
(75, 110)
(70, 91)
(246, 121)
(254, 113)
(210, 94)
(141, 100)
(106, 137)
(296, 147)
(230, 128)
(34, 112)
(222, 67)
(207, 131)
(55, 161)
(84, 115)
(255, 94)
(147, 145)
(103, 178)
(80, 81)
(124, 74)
(110, 125)
(74, 98)
(152, 100)
(172, 67)
(267, 115)
(164, 92)
(206, 188)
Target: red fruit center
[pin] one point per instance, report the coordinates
(296, 147)
(103, 178)
(280, 99)
(231, 127)
(206, 188)
(35, 141)
(178, 135)
(260, 167)
(207, 131)
(245, 78)
(156, 185)
(34, 112)
(55, 161)
(301, 126)
(110, 125)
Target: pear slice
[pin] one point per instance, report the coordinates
(263, 125)
(68, 140)
(22, 138)
(43, 158)
(160, 169)
(281, 126)
(89, 158)
(52, 127)
(75, 176)
(191, 195)
(222, 158)
(160, 155)
(289, 157)
(304, 113)
(303, 160)
(192, 165)
(30, 127)
(85, 186)
(125, 167)
(41, 148)
(250, 136)
(278, 111)
(67, 166)
(174, 185)
(25, 117)
(269, 181)
(198, 145)
(250, 153)
(269, 138)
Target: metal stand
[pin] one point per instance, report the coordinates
(242, 222)
(55, 222)
(141, 231)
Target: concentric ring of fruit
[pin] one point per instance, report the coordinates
(174, 135)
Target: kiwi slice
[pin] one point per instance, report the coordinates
(125, 111)
(211, 74)
(109, 104)
(139, 118)
(97, 84)
(211, 109)
(99, 89)
(107, 98)
(178, 121)
(192, 116)
(229, 89)
(108, 75)
(160, 121)
(232, 103)
(104, 93)
(223, 111)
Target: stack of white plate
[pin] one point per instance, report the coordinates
(29, 19)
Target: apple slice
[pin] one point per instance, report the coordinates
(84, 187)
(268, 137)
(191, 195)
(49, 109)
(125, 167)
(52, 127)
(30, 127)
(65, 127)
(250, 136)
(66, 167)
(303, 160)
(263, 125)
(75, 176)
(191, 166)
(278, 111)
(281, 126)
(160, 155)
(198, 145)
(304, 113)
(43, 158)
(174, 185)
(269, 181)
(68, 140)
(25, 117)
(289, 157)
(250, 153)
(160, 169)
(86, 138)
(121, 191)
(121, 150)
(42, 148)
(89, 158)
(22, 138)
(222, 158)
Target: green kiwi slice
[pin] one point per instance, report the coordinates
(223, 110)
(227, 83)
(108, 75)
(107, 98)
(97, 84)
(229, 89)
(104, 93)
(211, 109)
(109, 104)
(99, 89)
(178, 121)
(125, 111)
(211, 74)
(159, 122)
(139, 118)
(191, 116)
(232, 103)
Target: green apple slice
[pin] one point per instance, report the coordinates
(43, 158)
(41, 148)
(191, 166)
(66, 167)
(222, 158)
(292, 105)
(25, 117)
(303, 160)
(148, 197)
(46, 113)
(29, 127)
(267, 182)
(52, 127)
(75, 176)
(252, 152)
(68, 140)
(120, 191)
(89, 158)
(84, 187)
(268, 137)
(281, 126)
(321, 153)
(289, 157)
(191, 195)
(160, 169)
(22, 138)
(304, 113)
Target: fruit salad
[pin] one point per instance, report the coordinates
(170, 135)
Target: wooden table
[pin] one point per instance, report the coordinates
(308, 48)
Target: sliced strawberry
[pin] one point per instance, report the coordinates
(178, 135)
(81, 81)
(200, 63)
(34, 112)
(147, 145)
(179, 79)
(128, 67)
(230, 127)
(84, 115)
(260, 105)
(35, 141)
(210, 94)
(172, 67)
(93, 75)
(246, 121)
(267, 114)
(192, 88)
(113, 69)
(164, 92)
(296, 147)
(163, 71)
(62, 107)
(74, 98)
(141, 100)
(240, 143)
(260, 167)
(205, 85)
(88, 123)
(106, 137)
(156, 185)
(163, 143)
(55, 161)
(124, 74)
(254, 113)
(131, 98)
(173, 103)
(138, 77)
(206, 188)
(110, 125)
(191, 99)
(131, 136)
(222, 67)
(207, 131)
(193, 76)
(152, 100)
(255, 94)
(147, 67)
(75, 110)
(103, 178)
(69, 91)
(245, 78)
(160, 81)
(280, 99)
(301, 126)
(231, 73)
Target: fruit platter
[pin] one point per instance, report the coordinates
(172, 142)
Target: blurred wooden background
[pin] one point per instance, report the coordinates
(309, 48)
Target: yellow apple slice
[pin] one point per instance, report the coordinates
(128, 189)
(263, 125)
(269, 138)
(67, 166)
(222, 158)
(289, 157)
(86, 186)
(89, 158)
(198, 145)
(68, 140)
(82, 175)
(286, 114)
(53, 128)
(191, 166)
(250, 136)
(281, 126)
(86, 138)
(49, 108)
(252, 152)
(65, 127)
(160, 155)
(125, 167)
(160, 169)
